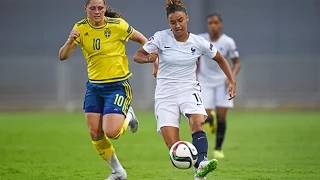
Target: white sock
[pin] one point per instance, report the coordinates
(115, 164)
(129, 116)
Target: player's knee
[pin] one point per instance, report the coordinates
(112, 134)
(94, 132)
(221, 117)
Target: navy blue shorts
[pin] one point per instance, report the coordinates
(108, 98)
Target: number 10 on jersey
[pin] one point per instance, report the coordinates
(96, 44)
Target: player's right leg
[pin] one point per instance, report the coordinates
(207, 93)
(167, 116)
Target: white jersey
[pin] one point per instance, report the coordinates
(210, 73)
(177, 61)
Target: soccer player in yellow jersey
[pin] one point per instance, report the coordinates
(102, 36)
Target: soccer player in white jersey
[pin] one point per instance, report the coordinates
(177, 91)
(214, 82)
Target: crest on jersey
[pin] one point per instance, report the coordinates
(107, 33)
(193, 49)
(211, 46)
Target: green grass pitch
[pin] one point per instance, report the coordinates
(259, 145)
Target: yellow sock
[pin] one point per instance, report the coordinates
(104, 148)
(123, 129)
(107, 153)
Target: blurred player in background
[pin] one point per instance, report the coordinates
(177, 89)
(214, 82)
(102, 37)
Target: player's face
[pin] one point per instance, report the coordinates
(214, 24)
(178, 23)
(95, 10)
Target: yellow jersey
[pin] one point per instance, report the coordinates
(104, 49)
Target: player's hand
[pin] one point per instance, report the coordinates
(232, 89)
(152, 57)
(74, 34)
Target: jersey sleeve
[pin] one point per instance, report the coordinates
(153, 44)
(208, 49)
(78, 40)
(233, 52)
(126, 31)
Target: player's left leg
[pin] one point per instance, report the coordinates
(113, 127)
(223, 104)
(93, 107)
(221, 131)
(192, 108)
(117, 117)
(199, 139)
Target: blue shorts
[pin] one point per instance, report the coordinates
(108, 98)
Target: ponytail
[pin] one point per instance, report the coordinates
(111, 13)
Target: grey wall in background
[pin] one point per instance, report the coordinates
(277, 39)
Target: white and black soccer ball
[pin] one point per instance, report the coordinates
(183, 155)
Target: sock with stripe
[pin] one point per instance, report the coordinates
(107, 153)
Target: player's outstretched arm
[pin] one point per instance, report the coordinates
(142, 56)
(68, 47)
(138, 38)
(224, 65)
(236, 66)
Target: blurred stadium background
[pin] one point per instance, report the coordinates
(280, 69)
(278, 41)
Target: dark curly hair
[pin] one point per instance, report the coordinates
(175, 5)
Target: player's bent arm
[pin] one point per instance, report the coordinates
(138, 37)
(236, 66)
(224, 65)
(141, 56)
(66, 50)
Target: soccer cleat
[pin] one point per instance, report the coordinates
(212, 125)
(199, 178)
(196, 177)
(133, 122)
(218, 154)
(118, 176)
(205, 167)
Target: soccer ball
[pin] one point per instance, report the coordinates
(183, 155)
